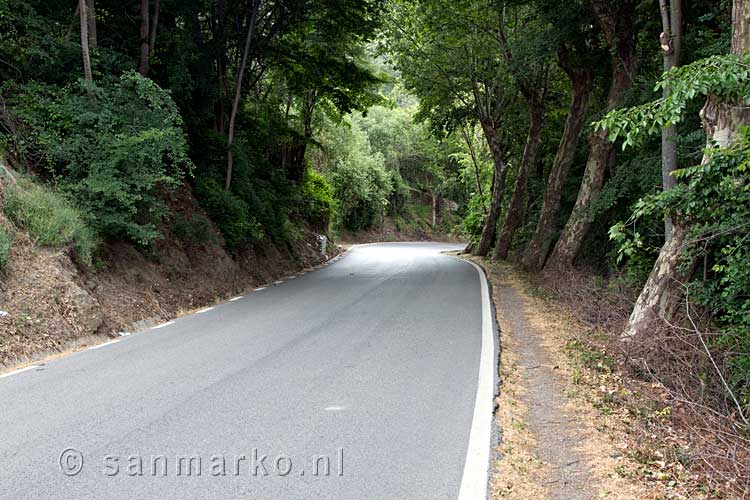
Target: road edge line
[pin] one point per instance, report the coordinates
(474, 480)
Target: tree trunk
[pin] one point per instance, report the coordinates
(238, 94)
(470, 145)
(578, 225)
(515, 212)
(617, 21)
(536, 252)
(154, 26)
(436, 202)
(85, 41)
(91, 23)
(722, 122)
(655, 298)
(671, 43)
(143, 64)
(221, 68)
(498, 187)
(297, 152)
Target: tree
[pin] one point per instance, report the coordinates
(724, 81)
(617, 20)
(722, 120)
(85, 41)
(576, 35)
(154, 26)
(325, 65)
(671, 46)
(144, 34)
(91, 23)
(531, 74)
(454, 69)
(238, 93)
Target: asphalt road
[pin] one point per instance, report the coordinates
(369, 365)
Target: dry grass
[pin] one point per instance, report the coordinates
(626, 426)
(520, 474)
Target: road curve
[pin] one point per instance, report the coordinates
(367, 367)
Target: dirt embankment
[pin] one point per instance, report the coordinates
(49, 303)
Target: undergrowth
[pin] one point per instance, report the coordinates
(50, 219)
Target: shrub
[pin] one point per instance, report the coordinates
(6, 239)
(229, 212)
(476, 212)
(196, 228)
(317, 199)
(49, 218)
(110, 146)
(362, 189)
(400, 195)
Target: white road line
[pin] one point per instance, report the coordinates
(278, 282)
(20, 370)
(206, 309)
(163, 325)
(235, 298)
(104, 344)
(259, 289)
(474, 480)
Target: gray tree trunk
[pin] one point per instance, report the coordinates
(436, 203)
(153, 28)
(143, 63)
(91, 22)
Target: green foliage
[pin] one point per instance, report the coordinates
(362, 190)
(476, 212)
(400, 194)
(725, 76)
(357, 175)
(6, 241)
(386, 137)
(316, 204)
(49, 218)
(229, 212)
(112, 148)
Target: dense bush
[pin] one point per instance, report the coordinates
(358, 176)
(362, 189)
(196, 228)
(400, 194)
(229, 212)
(111, 147)
(476, 211)
(49, 218)
(316, 205)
